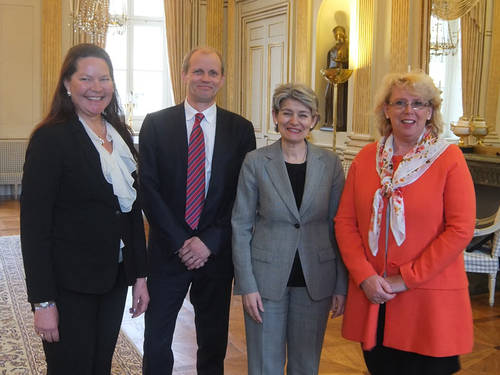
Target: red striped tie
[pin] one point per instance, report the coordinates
(195, 184)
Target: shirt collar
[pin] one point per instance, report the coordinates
(210, 113)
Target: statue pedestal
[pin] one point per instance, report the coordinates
(335, 76)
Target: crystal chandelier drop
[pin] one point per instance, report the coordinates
(443, 41)
(91, 17)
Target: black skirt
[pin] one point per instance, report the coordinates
(382, 360)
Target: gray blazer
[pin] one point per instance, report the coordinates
(268, 228)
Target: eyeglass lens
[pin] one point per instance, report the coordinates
(415, 104)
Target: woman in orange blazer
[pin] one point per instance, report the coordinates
(405, 216)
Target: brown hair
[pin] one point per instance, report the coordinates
(62, 109)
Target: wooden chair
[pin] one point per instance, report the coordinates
(485, 258)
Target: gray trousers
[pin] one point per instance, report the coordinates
(292, 327)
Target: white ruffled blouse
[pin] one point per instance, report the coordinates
(117, 167)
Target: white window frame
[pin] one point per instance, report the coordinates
(130, 22)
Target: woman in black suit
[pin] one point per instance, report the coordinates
(82, 232)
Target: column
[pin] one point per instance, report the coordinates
(361, 134)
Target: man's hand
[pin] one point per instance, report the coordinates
(194, 253)
(140, 297)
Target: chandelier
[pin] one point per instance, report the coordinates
(443, 40)
(92, 18)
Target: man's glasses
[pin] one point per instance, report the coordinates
(401, 105)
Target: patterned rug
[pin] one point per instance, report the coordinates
(21, 350)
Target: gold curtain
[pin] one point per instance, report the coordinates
(399, 35)
(215, 24)
(492, 115)
(472, 32)
(51, 49)
(425, 26)
(90, 21)
(452, 9)
(178, 25)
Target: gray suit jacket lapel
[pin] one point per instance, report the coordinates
(279, 177)
(314, 171)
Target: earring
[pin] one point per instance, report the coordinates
(69, 93)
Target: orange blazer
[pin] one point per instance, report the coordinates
(433, 317)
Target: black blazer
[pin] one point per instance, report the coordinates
(163, 148)
(71, 222)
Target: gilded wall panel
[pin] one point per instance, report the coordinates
(51, 48)
(20, 61)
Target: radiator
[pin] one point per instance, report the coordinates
(12, 153)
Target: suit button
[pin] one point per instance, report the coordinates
(297, 225)
(118, 212)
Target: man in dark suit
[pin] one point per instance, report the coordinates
(189, 213)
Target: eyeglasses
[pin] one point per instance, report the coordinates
(416, 105)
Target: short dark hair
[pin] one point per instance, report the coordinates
(299, 92)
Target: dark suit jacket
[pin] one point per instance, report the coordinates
(71, 223)
(163, 148)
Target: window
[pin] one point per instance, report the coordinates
(136, 43)
(445, 66)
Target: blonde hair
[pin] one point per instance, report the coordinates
(418, 83)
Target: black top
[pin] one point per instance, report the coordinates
(297, 176)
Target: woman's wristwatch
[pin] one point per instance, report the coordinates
(43, 305)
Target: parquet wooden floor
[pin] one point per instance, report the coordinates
(339, 356)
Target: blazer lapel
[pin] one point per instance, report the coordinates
(221, 138)
(314, 170)
(179, 120)
(92, 162)
(278, 174)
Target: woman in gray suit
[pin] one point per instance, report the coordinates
(286, 261)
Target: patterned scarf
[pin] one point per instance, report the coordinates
(414, 164)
